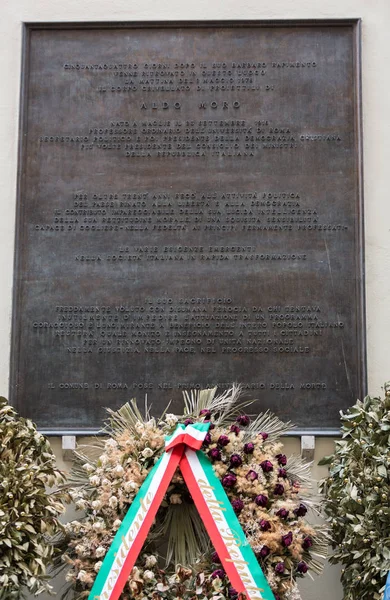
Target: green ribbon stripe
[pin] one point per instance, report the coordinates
(234, 524)
(110, 557)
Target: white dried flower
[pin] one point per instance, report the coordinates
(111, 445)
(89, 468)
(150, 561)
(100, 551)
(96, 504)
(175, 499)
(98, 526)
(94, 480)
(113, 502)
(82, 576)
(75, 526)
(69, 576)
(272, 578)
(171, 419)
(147, 452)
(293, 594)
(148, 575)
(117, 523)
(97, 566)
(135, 573)
(161, 587)
(81, 504)
(80, 549)
(104, 460)
(130, 486)
(119, 470)
(106, 483)
(127, 487)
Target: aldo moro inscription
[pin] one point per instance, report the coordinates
(189, 215)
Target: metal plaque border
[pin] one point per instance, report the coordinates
(29, 27)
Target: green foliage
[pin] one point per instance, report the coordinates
(357, 500)
(28, 512)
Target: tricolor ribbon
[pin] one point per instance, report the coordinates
(183, 449)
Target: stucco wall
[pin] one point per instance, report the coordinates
(376, 101)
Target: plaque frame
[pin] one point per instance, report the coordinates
(29, 27)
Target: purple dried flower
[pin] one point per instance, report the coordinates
(287, 539)
(243, 420)
(265, 525)
(279, 567)
(229, 480)
(282, 459)
(211, 426)
(223, 440)
(207, 439)
(261, 500)
(302, 567)
(282, 473)
(277, 597)
(251, 475)
(235, 460)
(214, 454)
(282, 513)
(205, 413)
(264, 551)
(188, 422)
(249, 447)
(237, 505)
(279, 489)
(215, 558)
(235, 429)
(264, 435)
(232, 592)
(267, 466)
(300, 511)
(218, 573)
(307, 542)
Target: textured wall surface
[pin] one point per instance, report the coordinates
(376, 121)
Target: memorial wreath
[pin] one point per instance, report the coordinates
(195, 507)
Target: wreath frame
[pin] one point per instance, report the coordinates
(270, 495)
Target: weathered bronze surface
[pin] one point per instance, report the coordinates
(189, 215)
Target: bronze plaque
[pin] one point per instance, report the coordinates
(189, 215)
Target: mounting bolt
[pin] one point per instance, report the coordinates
(308, 444)
(68, 447)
